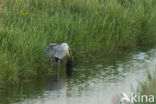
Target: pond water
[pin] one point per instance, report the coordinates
(96, 80)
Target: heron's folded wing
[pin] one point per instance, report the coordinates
(53, 44)
(59, 52)
(49, 51)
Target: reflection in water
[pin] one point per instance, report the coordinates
(55, 85)
(96, 80)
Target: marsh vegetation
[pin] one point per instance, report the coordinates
(89, 26)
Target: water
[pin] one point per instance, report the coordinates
(96, 80)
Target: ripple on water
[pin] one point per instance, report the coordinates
(93, 82)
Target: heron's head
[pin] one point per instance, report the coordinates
(67, 49)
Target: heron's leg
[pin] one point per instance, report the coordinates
(58, 65)
(58, 75)
(51, 64)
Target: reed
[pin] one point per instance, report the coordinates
(149, 86)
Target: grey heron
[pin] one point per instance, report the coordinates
(57, 52)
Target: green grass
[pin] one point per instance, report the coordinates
(89, 26)
(148, 87)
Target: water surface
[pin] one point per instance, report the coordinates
(96, 80)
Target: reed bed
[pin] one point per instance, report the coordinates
(89, 26)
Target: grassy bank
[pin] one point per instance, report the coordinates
(149, 87)
(27, 26)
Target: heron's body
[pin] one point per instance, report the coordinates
(57, 52)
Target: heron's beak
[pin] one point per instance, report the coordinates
(69, 54)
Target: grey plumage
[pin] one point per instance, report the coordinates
(57, 51)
